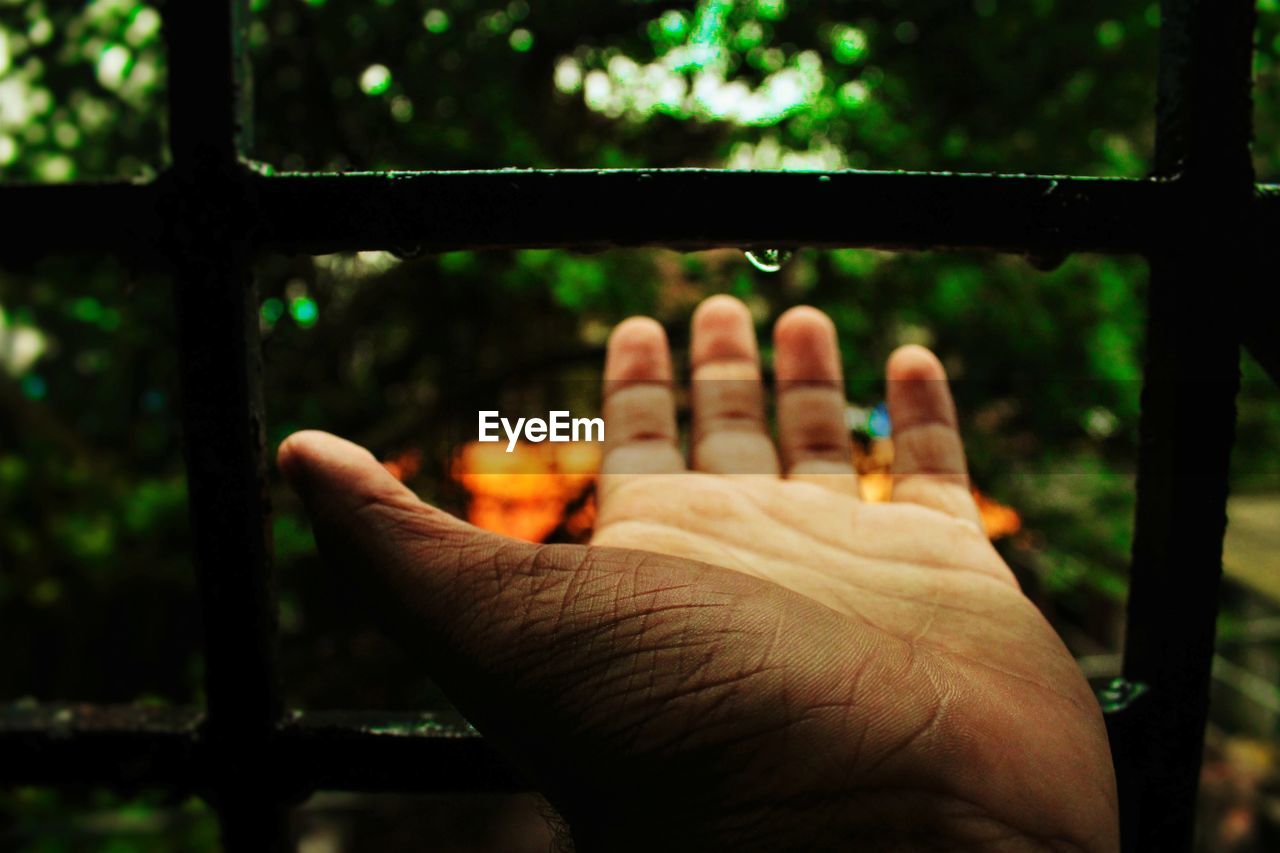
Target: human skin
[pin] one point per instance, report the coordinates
(747, 662)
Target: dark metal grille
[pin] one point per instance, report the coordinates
(1200, 220)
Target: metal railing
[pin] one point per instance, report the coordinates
(1201, 220)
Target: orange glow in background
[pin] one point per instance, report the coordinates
(539, 488)
(529, 493)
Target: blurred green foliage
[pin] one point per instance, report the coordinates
(108, 823)
(81, 86)
(399, 352)
(1027, 86)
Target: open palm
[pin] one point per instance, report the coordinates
(747, 656)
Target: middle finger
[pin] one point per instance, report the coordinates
(730, 434)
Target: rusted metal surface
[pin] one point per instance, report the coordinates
(1261, 326)
(121, 747)
(1198, 276)
(699, 208)
(126, 747)
(374, 751)
(106, 217)
(434, 211)
(1041, 215)
(208, 242)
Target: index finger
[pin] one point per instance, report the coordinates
(639, 404)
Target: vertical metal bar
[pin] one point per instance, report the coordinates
(1198, 274)
(222, 416)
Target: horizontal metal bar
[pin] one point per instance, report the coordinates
(593, 210)
(131, 748)
(436, 211)
(698, 209)
(106, 217)
(376, 751)
(118, 746)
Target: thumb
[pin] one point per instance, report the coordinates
(495, 620)
(433, 578)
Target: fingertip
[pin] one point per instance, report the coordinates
(638, 351)
(307, 453)
(806, 345)
(803, 321)
(637, 331)
(719, 311)
(918, 390)
(913, 362)
(722, 329)
(804, 327)
(294, 452)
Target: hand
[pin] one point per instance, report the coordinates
(746, 661)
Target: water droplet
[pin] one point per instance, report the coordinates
(1046, 260)
(406, 253)
(769, 260)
